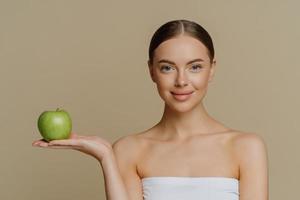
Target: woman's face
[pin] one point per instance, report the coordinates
(181, 65)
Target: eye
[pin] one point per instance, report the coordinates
(197, 67)
(165, 67)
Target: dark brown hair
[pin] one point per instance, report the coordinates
(176, 27)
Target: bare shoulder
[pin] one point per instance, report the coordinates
(130, 145)
(247, 139)
(125, 141)
(248, 143)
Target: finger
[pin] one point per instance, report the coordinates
(56, 146)
(34, 143)
(38, 142)
(60, 147)
(67, 142)
(41, 145)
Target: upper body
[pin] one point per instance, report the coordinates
(187, 141)
(231, 154)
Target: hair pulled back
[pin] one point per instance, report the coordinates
(175, 28)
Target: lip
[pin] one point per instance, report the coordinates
(182, 93)
(182, 96)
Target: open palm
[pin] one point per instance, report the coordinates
(89, 144)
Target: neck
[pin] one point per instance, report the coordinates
(180, 125)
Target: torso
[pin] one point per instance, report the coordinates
(199, 156)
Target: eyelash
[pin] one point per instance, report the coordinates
(163, 67)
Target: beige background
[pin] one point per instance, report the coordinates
(89, 57)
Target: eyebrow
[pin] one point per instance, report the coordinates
(171, 62)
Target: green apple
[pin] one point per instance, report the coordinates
(55, 125)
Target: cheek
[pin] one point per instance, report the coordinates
(200, 83)
(164, 82)
(164, 85)
(163, 89)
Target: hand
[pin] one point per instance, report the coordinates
(91, 145)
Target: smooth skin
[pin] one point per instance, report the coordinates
(187, 141)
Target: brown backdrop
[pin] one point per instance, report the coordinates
(90, 58)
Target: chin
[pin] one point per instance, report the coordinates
(181, 107)
(181, 110)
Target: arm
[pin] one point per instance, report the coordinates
(114, 185)
(253, 160)
(127, 151)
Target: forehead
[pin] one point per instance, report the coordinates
(181, 49)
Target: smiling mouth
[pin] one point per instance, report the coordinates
(182, 96)
(186, 93)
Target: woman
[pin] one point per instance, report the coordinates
(187, 154)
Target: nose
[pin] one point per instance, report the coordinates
(181, 80)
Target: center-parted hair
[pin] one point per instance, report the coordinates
(175, 28)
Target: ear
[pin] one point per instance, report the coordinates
(212, 70)
(150, 67)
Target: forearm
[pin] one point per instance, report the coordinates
(115, 188)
